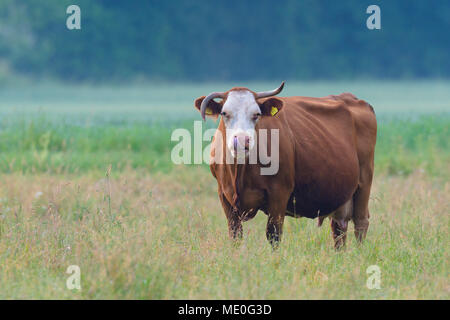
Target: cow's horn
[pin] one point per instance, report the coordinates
(265, 94)
(208, 98)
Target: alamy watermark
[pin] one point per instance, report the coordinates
(374, 20)
(73, 22)
(73, 281)
(374, 279)
(190, 148)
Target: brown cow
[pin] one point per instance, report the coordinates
(326, 159)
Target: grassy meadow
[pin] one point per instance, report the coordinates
(87, 180)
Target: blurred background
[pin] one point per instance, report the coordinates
(139, 65)
(233, 40)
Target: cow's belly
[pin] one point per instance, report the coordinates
(322, 196)
(301, 205)
(324, 180)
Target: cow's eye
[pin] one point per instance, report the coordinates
(224, 114)
(256, 116)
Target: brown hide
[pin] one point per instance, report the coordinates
(326, 145)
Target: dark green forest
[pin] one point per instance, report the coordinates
(224, 40)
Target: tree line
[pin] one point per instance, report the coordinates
(207, 40)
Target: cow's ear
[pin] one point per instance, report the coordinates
(271, 107)
(212, 110)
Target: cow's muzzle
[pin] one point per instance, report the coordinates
(241, 144)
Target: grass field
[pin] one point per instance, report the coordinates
(87, 180)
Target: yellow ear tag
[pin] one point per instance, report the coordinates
(208, 111)
(273, 111)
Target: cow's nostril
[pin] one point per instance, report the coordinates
(241, 142)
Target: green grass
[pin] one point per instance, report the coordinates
(406, 145)
(42, 145)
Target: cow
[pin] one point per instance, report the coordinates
(326, 152)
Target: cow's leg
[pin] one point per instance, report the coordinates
(361, 213)
(276, 211)
(339, 223)
(274, 229)
(361, 203)
(235, 228)
(234, 221)
(339, 231)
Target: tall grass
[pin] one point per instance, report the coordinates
(137, 235)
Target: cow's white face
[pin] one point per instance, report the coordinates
(240, 114)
